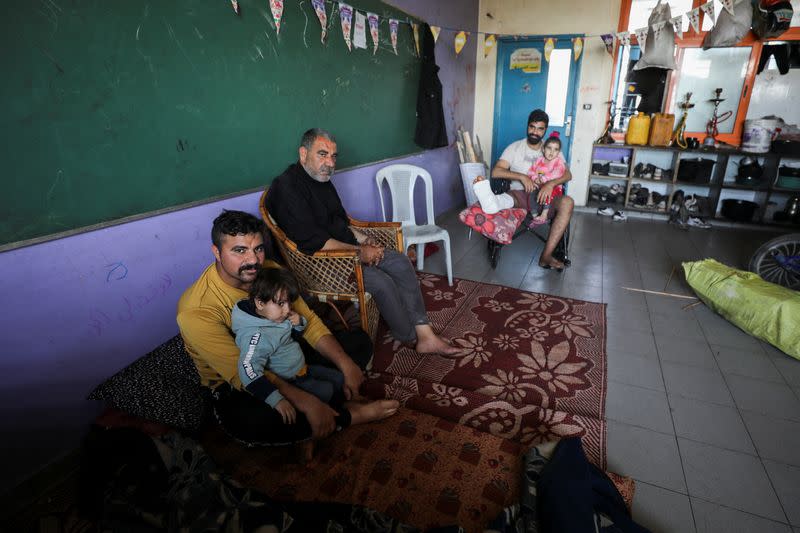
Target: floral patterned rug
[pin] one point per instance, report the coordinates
(532, 367)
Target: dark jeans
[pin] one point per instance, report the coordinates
(321, 381)
(255, 423)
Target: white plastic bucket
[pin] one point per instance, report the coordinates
(470, 171)
(758, 134)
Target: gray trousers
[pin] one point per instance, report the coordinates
(393, 283)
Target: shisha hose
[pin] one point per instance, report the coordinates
(711, 128)
(677, 135)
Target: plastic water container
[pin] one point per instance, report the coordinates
(757, 135)
(638, 129)
(470, 171)
(661, 129)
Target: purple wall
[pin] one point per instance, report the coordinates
(78, 309)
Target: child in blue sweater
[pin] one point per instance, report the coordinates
(263, 326)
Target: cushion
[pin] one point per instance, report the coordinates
(163, 386)
(499, 227)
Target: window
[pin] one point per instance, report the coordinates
(641, 9)
(557, 84)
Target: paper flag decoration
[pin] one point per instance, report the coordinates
(694, 18)
(657, 27)
(641, 36)
(577, 47)
(488, 43)
(608, 40)
(728, 5)
(372, 19)
(549, 44)
(435, 32)
(319, 9)
(235, 5)
(346, 16)
(360, 31)
(708, 9)
(276, 6)
(393, 33)
(460, 41)
(677, 25)
(415, 29)
(624, 38)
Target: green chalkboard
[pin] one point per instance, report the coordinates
(117, 108)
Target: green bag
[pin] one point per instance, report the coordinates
(762, 309)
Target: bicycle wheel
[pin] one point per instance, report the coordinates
(778, 261)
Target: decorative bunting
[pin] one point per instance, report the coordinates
(577, 47)
(393, 24)
(624, 38)
(608, 40)
(549, 45)
(728, 5)
(235, 5)
(708, 9)
(346, 16)
(372, 20)
(460, 41)
(488, 44)
(694, 18)
(319, 9)
(360, 31)
(435, 32)
(641, 36)
(677, 25)
(657, 27)
(276, 6)
(415, 29)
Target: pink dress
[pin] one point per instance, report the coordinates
(549, 171)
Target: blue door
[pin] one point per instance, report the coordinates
(524, 83)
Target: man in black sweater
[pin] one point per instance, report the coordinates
(307, 207)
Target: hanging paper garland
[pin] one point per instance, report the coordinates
(608, 40)
(393, 33)
(549, 45)
(319, 9)
(728, 5)
(488, 43)
(276, 6)
(415, 29)
(677, 25)
(641, 36)
(577, 47)
(624, 38)
(235, 5)
(435, 32)
(372, 20)
(346, 16)
(360, 31)
(694, 18)
(708, 9)
(460, 41)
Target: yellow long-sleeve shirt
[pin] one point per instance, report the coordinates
(204, 319)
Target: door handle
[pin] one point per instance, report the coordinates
(568, 126)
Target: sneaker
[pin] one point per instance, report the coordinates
(698, 222)
(605, 211)
(620, 215)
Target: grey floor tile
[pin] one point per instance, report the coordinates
(590, 293)
(786, 479)
(635, 370)
(690, 352)
(730, 335)
(661, 510)
(774, 438)
(765, 397)
(789, 369)
(645, 455)
(680, 325)
(750, 363)
(694, 382)
(632, 342)
(773, 351)
(713, 518)
(667, 305)
(614, 294)
(638, 407)
(729, 478)
(710, 423)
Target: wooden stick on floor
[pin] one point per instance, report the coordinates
(660, 293)
(669, 278)
(689, 306)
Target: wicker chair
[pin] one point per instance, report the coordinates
(336, 274)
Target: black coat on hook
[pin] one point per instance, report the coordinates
(431, 131)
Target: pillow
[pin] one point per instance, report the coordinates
(163, 386)
(499, 227)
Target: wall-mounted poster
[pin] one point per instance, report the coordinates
(527, 59)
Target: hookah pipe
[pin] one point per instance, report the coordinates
(711, 128)
(680, 129)
(605, 137)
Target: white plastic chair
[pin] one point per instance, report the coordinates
(401, 180)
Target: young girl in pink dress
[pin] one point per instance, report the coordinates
(548, 167)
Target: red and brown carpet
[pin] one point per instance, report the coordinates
(532, 369)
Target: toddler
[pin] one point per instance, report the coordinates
(548, 167)
(263, 325)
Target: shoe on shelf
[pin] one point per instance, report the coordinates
(657, 174)
(605, 211)
(662, 205)
(697, 222)
(620, 216)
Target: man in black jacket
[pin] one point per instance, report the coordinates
(307, 207)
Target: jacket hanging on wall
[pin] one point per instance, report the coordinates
(431, 131)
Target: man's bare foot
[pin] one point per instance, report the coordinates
(551, 262)
(361, 413)
(478, 179)
(436, 344)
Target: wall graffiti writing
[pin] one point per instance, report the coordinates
(125, 308)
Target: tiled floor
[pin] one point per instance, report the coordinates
(703, 416)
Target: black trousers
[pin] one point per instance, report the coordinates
(255, 423)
